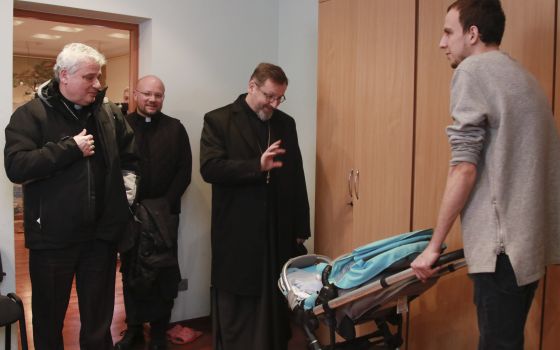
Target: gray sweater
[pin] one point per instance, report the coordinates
(503, 123)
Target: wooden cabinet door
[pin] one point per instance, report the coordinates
(384, 118)
(365, 122)
(335, 127)
(551, 319)
(551, 302)
(373, 119)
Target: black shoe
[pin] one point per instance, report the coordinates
(132, 335)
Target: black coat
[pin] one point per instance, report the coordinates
(40, 153)
(165, 174)
(230, 161)
(165, 158)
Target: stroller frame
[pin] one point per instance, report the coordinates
(382, 314)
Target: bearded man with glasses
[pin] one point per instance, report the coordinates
(249, 152)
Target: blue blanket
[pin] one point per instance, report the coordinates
(368, 261)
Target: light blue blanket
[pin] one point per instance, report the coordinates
(363, 264)
(368, 261)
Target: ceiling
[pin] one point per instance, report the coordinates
(95, 36)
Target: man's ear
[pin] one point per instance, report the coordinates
(251, 86)
(63, 76)
(474, 35)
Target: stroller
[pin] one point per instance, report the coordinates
(372, 283)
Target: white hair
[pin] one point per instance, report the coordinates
(72, 55)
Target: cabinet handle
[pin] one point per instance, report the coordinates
(350, 176)
(357, 184)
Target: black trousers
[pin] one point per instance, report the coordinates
(152, 302)
(502, 307)
(156, 310)
(52, 272)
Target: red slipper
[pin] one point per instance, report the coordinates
(182, 335)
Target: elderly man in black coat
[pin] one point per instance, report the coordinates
(249, 152)
(74, 155)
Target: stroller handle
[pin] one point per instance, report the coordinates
(450, 257)
(453, 261)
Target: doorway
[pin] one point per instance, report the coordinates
(42, 35)
(38, 38)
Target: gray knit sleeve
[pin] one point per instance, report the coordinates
(469, 112)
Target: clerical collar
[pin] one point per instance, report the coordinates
(148, 119)
(69, 103)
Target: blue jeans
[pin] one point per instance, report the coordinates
(502, 307)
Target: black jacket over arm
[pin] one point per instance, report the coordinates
(230, 161)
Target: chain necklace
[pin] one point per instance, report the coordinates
(69, 109)
(261, 151)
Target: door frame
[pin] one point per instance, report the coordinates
(132, 28)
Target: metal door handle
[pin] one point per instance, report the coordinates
(350, 176)
(357, 184)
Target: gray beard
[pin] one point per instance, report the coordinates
(263, 116)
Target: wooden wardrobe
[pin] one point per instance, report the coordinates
(382, 152)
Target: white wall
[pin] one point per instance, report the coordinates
(117, 77)
(204, 51)
(297, 54)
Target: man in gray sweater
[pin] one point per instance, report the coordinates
(504, 176)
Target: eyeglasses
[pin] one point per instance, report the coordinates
(271, 98)
(146, 94)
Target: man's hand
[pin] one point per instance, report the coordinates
(85, 143)
(300, 240)
(267, 158)
(422, 265)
